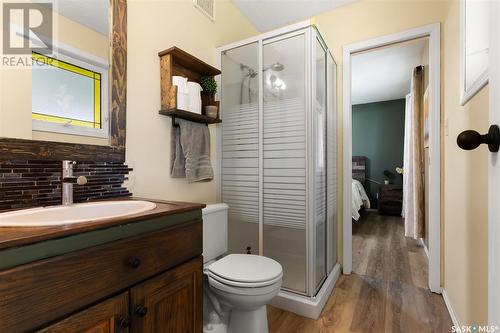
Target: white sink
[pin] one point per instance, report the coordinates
(77, 213)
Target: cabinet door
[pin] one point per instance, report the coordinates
(170, 302)
(110, 316)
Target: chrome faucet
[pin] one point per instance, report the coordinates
(68, 180)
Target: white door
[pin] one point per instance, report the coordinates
(494, 172)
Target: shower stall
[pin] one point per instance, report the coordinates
(278, 157)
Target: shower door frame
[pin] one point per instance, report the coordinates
(315, 36)
(309, 31)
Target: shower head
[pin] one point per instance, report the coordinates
(250, 72)
(276, 67)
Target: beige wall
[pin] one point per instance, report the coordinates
(464, 181)
(465, 190)
(152, 27)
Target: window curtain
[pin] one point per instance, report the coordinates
(406, 151)
(413, 164)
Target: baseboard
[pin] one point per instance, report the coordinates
(309, 307)
(451, 311)
(425, 248)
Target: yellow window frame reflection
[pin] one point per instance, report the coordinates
(96, 77)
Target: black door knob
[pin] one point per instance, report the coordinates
(124, 322)
(141, 310)
(469, 140)
(134, 262)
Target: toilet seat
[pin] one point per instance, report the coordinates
(244, 291)
(244, 284)
(245, 271)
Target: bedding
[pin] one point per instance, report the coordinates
(359, 198)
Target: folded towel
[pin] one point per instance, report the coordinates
(194, 89)
(182, 92)
(190, 152)
(181, 83)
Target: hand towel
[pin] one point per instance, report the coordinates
(177, 160)
(190, 152)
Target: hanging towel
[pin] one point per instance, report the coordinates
(177, 160)
(190, 152)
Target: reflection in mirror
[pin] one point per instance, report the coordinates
(63, 96)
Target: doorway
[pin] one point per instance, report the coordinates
(432, 34)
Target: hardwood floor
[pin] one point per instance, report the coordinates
(387, 291)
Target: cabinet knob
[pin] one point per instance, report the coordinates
(134, 262)
(124, 322)
(141, 310)
(469, 140)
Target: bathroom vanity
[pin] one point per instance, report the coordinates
(139, 273)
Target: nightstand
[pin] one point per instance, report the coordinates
(390, 199)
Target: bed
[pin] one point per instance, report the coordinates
(359, 197)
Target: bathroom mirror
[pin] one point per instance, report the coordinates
(63, 85)
(474, 47)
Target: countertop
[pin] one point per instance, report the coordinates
(15, 237)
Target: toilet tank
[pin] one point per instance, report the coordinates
(214, 231)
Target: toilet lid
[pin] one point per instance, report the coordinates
(246, 268)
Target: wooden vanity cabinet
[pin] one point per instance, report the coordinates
(170, 302)
(147, 283)
(109, 316)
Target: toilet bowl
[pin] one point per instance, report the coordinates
(245, 283)
(242, 283)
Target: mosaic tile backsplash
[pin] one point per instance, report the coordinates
(25, 184)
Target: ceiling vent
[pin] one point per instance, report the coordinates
(207, 7)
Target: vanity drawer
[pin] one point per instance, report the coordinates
(38, 293)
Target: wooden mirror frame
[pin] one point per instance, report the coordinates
(21, 149)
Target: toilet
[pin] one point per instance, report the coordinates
(243, 283)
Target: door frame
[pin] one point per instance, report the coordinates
(494, 172)
(431, 31)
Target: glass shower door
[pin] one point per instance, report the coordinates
(240, 146)
(284, 157)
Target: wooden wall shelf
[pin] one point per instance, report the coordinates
(187, 65)
(191, 116)
(176, 62)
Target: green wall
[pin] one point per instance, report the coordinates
(378, 134)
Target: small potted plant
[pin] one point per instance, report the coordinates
(389, 176)
(209, 86)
